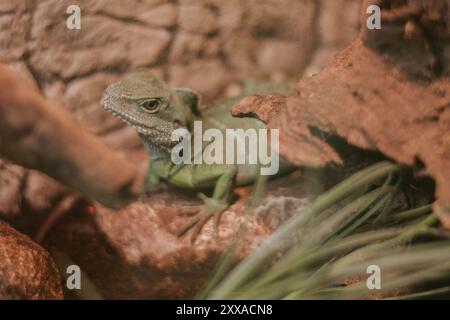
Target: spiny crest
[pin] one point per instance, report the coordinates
(140, 84)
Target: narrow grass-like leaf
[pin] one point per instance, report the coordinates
(247, 269)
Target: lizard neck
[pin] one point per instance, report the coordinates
(155, 151)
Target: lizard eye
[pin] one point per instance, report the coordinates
(151, 106)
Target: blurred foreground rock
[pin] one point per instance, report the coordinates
(37, 134)
(26, 270)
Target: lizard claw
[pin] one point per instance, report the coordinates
(210, 208)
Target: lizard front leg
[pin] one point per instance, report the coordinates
(222, 177)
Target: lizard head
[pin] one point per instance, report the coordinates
(145, 102)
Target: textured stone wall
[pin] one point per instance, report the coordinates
(208, 45)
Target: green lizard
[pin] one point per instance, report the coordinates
(145, 102)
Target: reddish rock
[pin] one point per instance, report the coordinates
(41, 192)
(84, 96)
(269, 106)
(12, 180)
(26, 270)
(14, 26)
(135, 253)
(187, 47)
(197, 19)
(206, 76)
(386, 92)
(163, 16)
(122, 9)
(145, 47)
(280, 55)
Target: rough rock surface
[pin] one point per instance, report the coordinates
(388, 91)
(135, 253)
(236, 41)
(11, 184)
(248, 39)
(26, 270)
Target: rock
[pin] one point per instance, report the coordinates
(268, 38)
(26, 194)
(321, 59)
(291, 20)
(187, 47)
(338, 24)
(163, 16)
(384, 92)
(35, 201)
(268, 106)
(197, 19)
(86, 91)
(41, 192)
(26, 270)
(208, 77)
(84, 97)
(119, 8)
(37, 134)
(138, 254)
(279, 55)
(84, 50)
(14, 28)
(11, 6)
(55, 91)
(240, 50)
(232, 13)
(12, 179)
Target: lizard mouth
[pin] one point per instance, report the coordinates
(160, 131)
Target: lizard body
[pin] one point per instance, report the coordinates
(155, 110)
